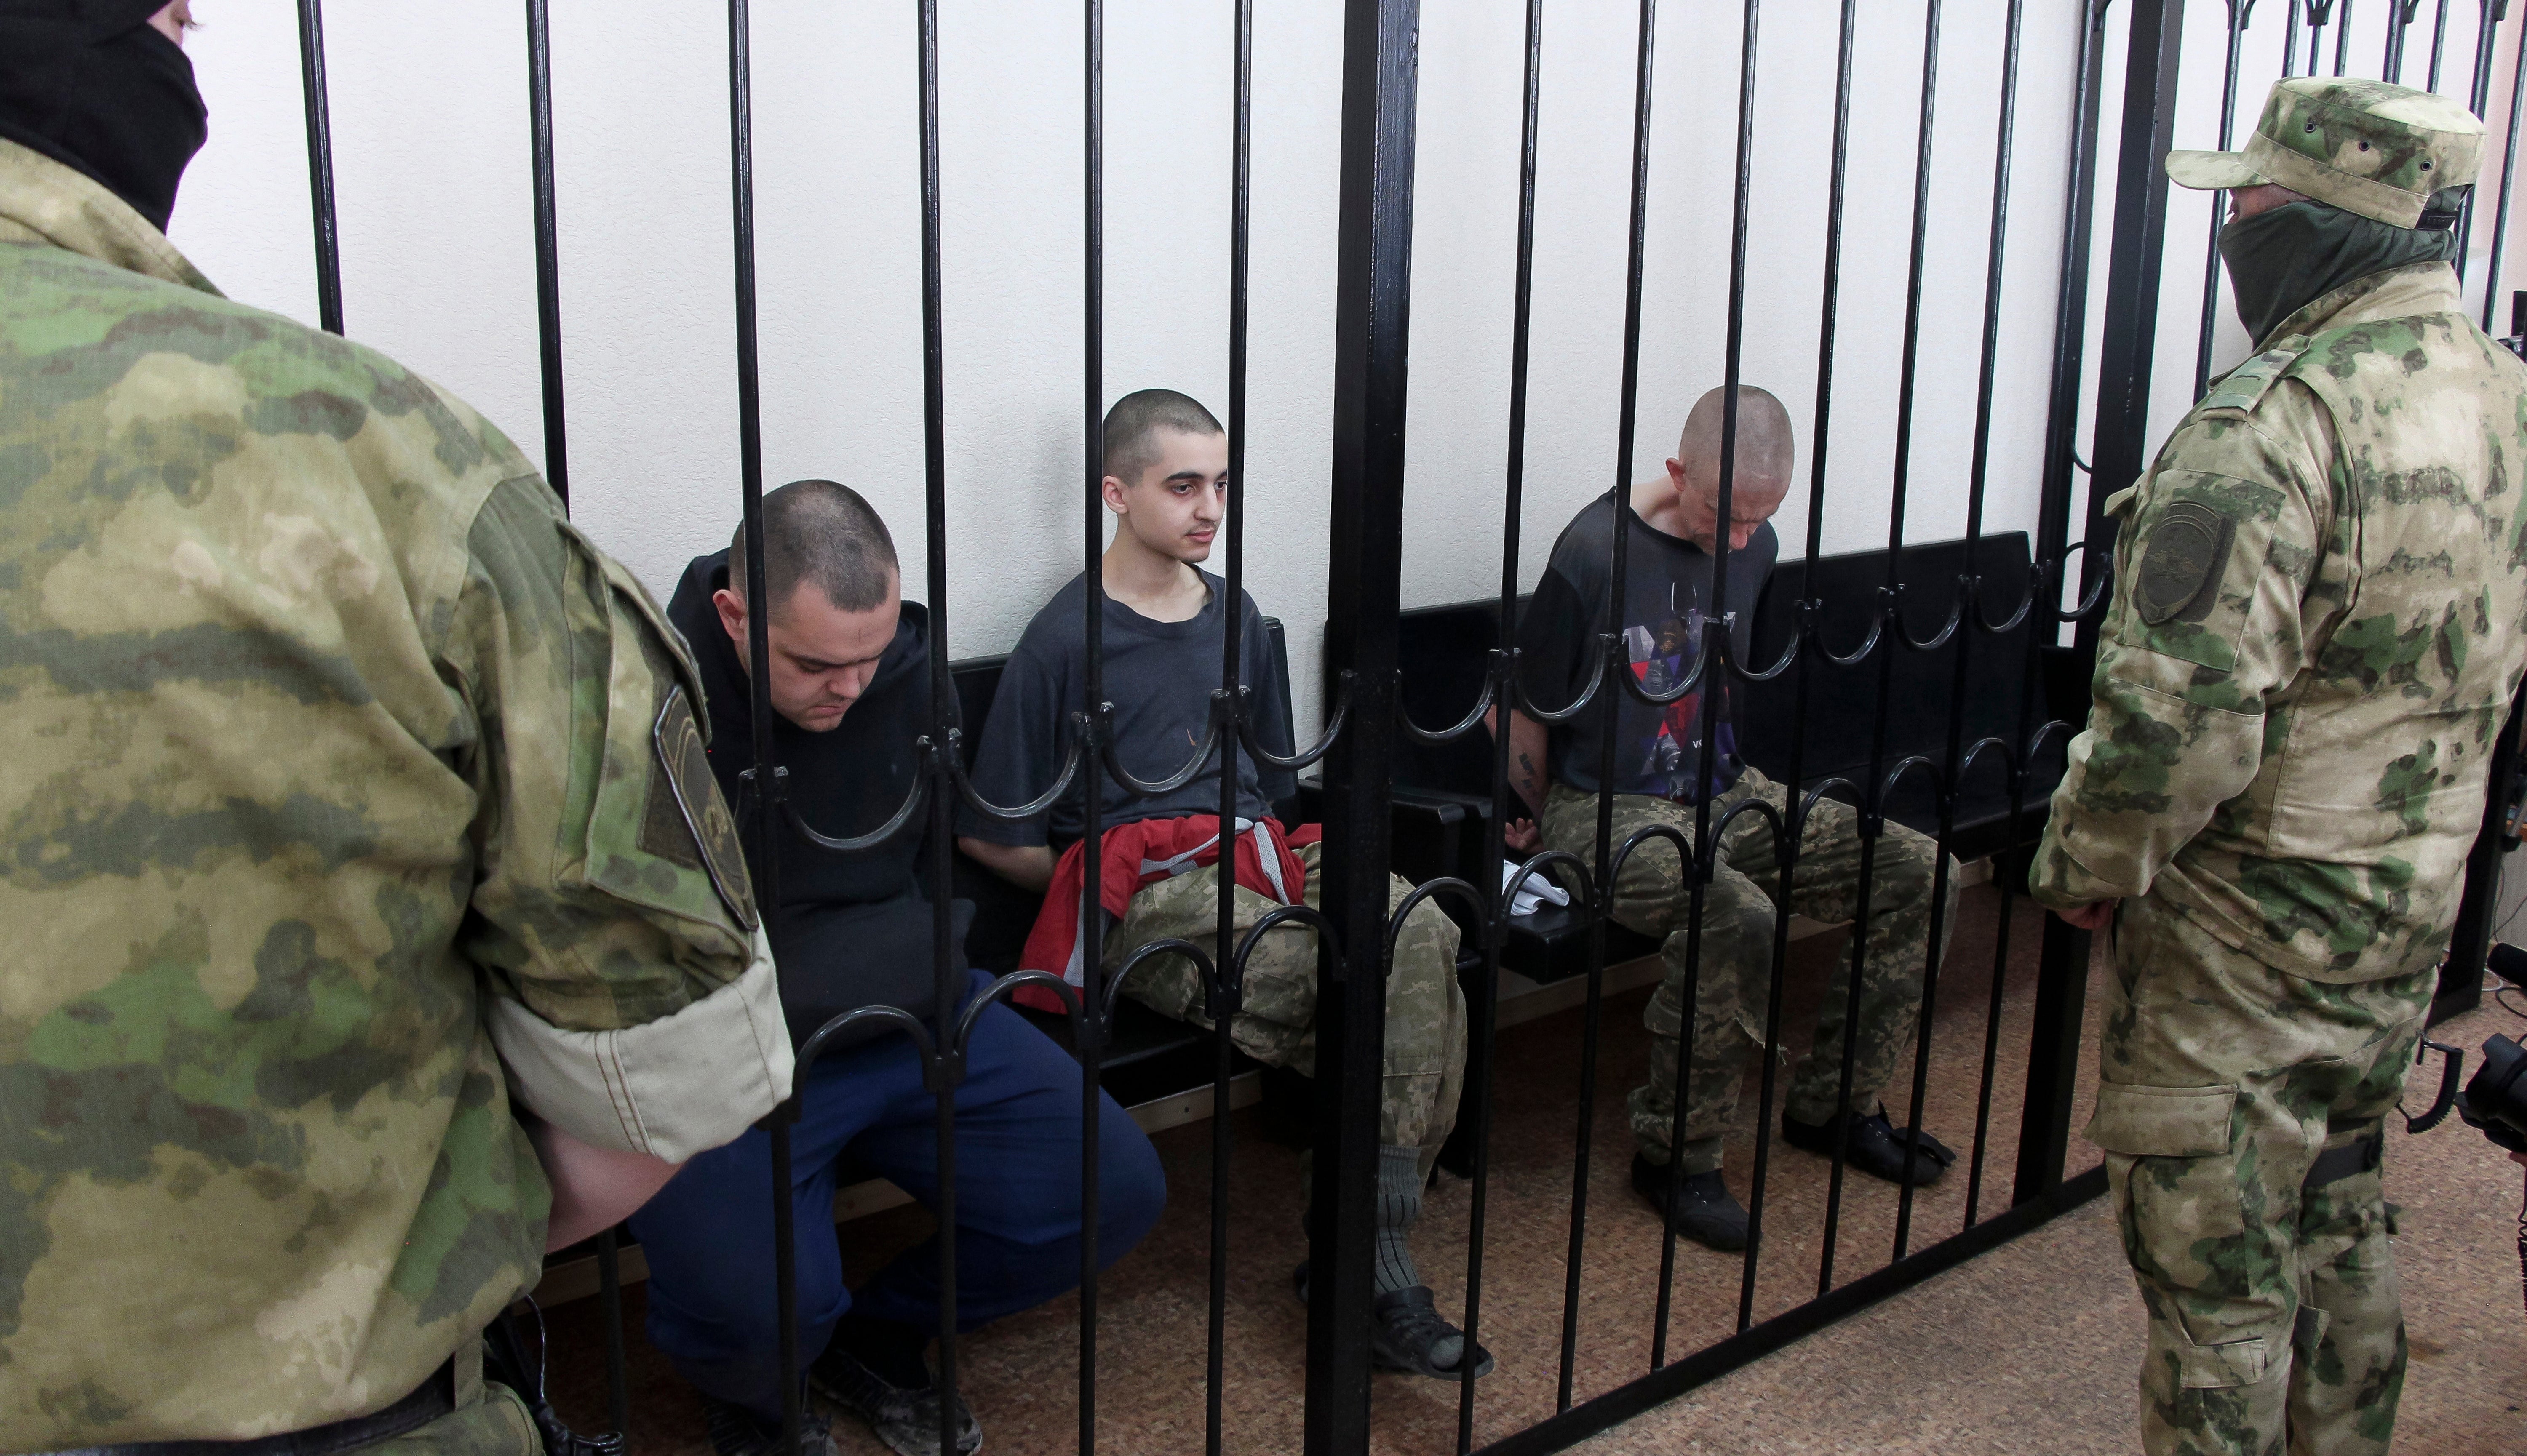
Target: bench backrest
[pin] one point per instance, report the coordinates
(1443, 650)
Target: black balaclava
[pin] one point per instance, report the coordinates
(94, 84)
(2283, 260)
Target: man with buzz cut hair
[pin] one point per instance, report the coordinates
(850, 686)
(1166, 462)
(1662, 770)
(2319, 622)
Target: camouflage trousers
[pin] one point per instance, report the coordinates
(1276, 1019)
(1653, 898)
(2262, 1251)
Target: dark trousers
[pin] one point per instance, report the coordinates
(708, 1234)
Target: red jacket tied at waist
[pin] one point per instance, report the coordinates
(1142, 853)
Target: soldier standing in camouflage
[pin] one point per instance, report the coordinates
(2314, 637)
(354, 808)
(1664, 769)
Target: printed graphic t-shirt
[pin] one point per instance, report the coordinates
(1667, 599)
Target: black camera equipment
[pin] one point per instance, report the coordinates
(2495, 1103)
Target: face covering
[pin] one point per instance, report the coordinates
(2283, 260)
(96, 86)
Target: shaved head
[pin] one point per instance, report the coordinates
(1766, 452)
(824, 534)
(1131, 443)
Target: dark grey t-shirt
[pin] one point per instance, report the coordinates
(1159, 676)
(1666, 594)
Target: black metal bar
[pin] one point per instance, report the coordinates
(1089, 1028)
(1717, 654)
(1372, 313)
(1872, 822)
(1480, 1059)
(1845, 50)
(320, 164)
(1969, 590)
(610, 1290)
(2508, 173)
(1628, 416)
(2400, 15)
(1570, 1428)
(2211, 247)
(2439, 39)
(2343, 38)
(547, 246)
(1228, 989)
(2479, 101)
(2053, 1060)
(2121, 444)
(2290, 34)
(766, 868)
(2318, 12)
(2070, 297)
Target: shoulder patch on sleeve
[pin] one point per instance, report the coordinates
(2244, 386)
(2183, 557)
(687, 820)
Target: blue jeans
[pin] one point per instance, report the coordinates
(708, 1234)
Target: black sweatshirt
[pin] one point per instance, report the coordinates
(852, 930)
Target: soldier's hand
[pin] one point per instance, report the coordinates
(1518, 836)
(2092, 915)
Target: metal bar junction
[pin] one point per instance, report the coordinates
(1363, 722)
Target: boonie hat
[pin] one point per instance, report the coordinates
(2364, 146)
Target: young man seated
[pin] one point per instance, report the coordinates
(1662, 769)
(851, 690)
(1166, 462)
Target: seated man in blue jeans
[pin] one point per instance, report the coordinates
(850, 694)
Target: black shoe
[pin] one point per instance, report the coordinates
(1405, 1332)
(1706, 1212)
(1875, 1146)
(735, 1430)
(908, 1421)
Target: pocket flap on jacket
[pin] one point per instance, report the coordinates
(2162, 1121)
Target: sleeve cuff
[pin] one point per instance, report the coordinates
(668, 1088)
(2058, 881)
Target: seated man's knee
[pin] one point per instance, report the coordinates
(1131, 1185)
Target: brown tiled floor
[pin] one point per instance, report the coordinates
(2030, 1348)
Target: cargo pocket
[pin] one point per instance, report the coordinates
(2145, 1121)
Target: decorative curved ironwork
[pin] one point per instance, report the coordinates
(1481, 709)
(823, 1036)
(1142, 955)
(1313, 751)
(1428, 890)
(953, 763)
(850, 844)
(1145, 788)
(1273, 918)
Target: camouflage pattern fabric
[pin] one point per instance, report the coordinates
(2367, 147)
(1276, 1016)
(2314, 637)
(327, 732)
(1738, 910)
(2272, 1303)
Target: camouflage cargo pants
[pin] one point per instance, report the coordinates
(1277, 1022)
(1652, 897)
(2236, 1112)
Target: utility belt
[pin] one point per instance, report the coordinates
(432, 1399)
(2361, 1155)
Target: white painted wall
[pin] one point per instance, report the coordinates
(430, 142)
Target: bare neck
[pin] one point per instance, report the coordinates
(1150, 583)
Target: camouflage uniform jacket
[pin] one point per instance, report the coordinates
(334, 821)
(2314, 639)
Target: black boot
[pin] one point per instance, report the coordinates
(735, 1430)
(905, 1420)
(1408, 1334)
(1875, 1146)
(1706, 1212)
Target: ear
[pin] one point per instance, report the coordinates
(732, 618)
(1677, 474)
(1113, 488)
